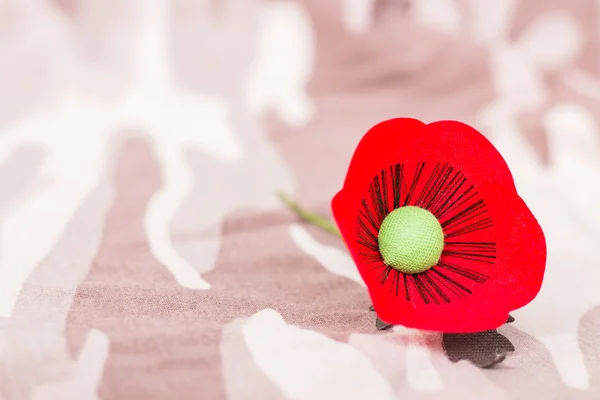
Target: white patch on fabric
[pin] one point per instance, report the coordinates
(241, 378)
(33, 226)
(284, 63)
(562, 199)
(357, 15)
(568, 359)
(333, 259)
(308, 365)
(161, 210)
(440, 15)
(87, 376)
(552, 41)
(154, 105)
(490, 22)
(420, 373)
(177, 120)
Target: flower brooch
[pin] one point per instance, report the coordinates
(443, 241)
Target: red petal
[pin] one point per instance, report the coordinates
(521, 247)
(403, 139)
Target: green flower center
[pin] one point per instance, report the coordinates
(411, 240)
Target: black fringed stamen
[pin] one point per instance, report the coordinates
(462, 199)
(436, 287)
(440, 189)
(450, 280)
(466, 253)
(375, 202)
(488, 245)
(466, 272)
(384, 275)
(366, 232)
(472, 227)
(413, 186)
(371, 256)
(419, 286)
(469, 257)
(379, 196)
(378, 266)
(368, 215)
(439, 210)
(396, 184)
(461, 211)
(426, 288)
(364, 242)
(470, 212)
(458, 293)
(396, 281)
(445, 191)
(426, 191)
(384, 188)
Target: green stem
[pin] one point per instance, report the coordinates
(310, 217)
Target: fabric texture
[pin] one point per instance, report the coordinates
(144, 253)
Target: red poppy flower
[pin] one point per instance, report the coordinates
(433, 221)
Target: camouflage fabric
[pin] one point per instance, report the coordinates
(144, 254)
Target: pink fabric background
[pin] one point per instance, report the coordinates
(144, 255)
